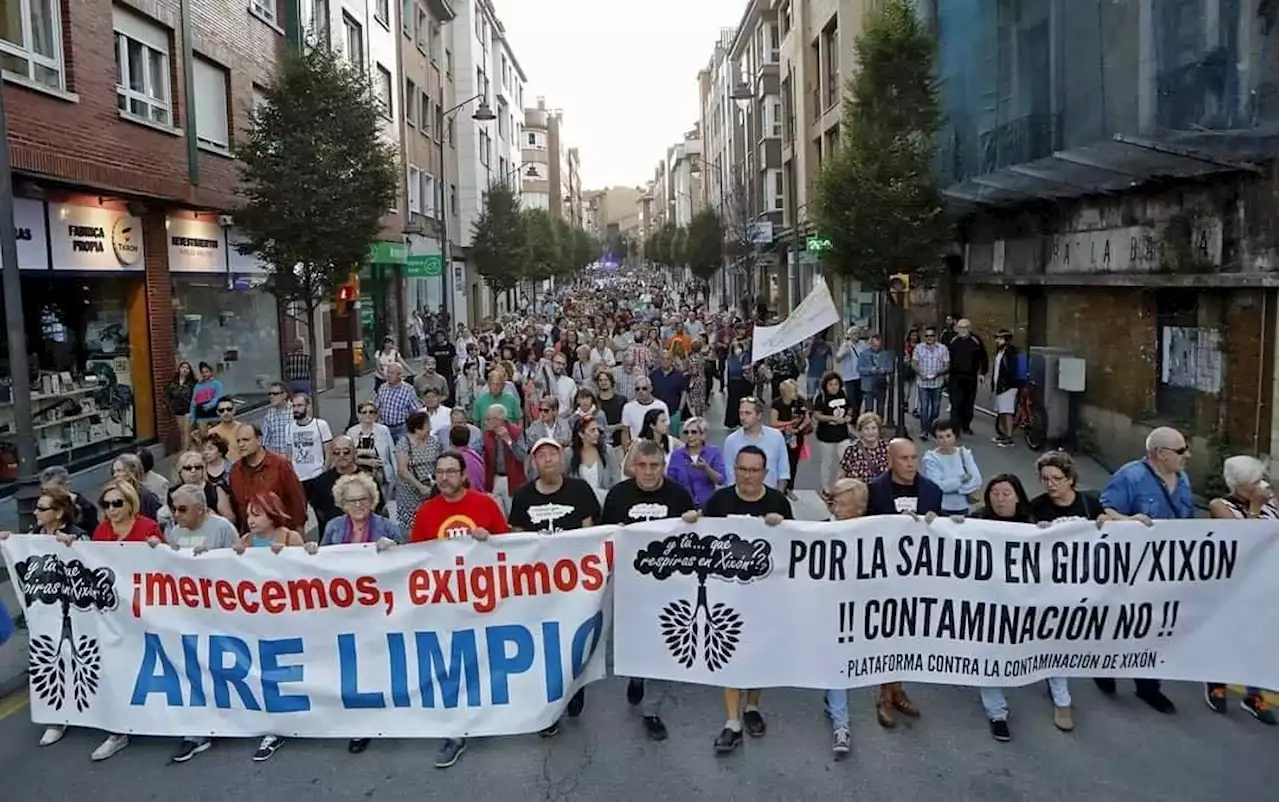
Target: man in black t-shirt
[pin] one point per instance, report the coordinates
(648, 497)
(552, 502)
(444, 353)
(749, 496)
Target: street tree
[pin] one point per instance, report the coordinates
(564, 246)
(585, 249)
(544, 255)
(499, 248)
(877, 199)
(679, 239)
(316, 179)
(704, 244)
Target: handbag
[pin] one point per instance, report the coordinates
(971, 468)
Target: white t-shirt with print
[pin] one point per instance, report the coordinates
(308, 447)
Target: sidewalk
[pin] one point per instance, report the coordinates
(333, 406)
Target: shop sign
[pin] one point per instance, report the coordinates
(196, 246)
(94, 238)
(388, 253)
(423, 265)
(28, 225)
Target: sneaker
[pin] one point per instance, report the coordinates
(728, 740)
(1158, 701)
(1000, 730)
(189, 749)
(1106, 684)
(635, 692)
(754, 722)
(1215, 696)
(267, 747)
(450, 751)
(1063, 720)
(576, 704)
(551, 731)
(1006, 442)
(655, 729)
(109, 747)
(1259, 708)
(52, 734)
(841, 742)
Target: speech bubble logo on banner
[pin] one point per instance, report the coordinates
(69, 663)
(687, 627)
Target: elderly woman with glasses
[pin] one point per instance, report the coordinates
(356, 494)
(698, 465)
(191, 470)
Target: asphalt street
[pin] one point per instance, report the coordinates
(1120, 750)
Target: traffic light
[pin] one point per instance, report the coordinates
(348, 293)
(900, 289)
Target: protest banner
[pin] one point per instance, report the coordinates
(444, 639)
(816, 313)
(735, 603)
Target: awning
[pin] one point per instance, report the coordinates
(1112, 166)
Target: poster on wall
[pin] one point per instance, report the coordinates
(1191, 358)
(94, 238)
(28, 226)
(196, 245)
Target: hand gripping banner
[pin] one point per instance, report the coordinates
(735, 603)
(446, 639)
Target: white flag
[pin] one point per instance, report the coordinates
(815, 313)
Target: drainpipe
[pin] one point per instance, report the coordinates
(189, 88)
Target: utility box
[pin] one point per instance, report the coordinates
(1046, 370)
(1071, 374)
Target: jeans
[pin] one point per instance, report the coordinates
(875, 396)
(655, 693)
(997, 709)
(398, 430)
(930, 405)
(838, 708)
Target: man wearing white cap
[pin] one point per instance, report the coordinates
(552, 502)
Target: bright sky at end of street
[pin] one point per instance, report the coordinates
(625, 74)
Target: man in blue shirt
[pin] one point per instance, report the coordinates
(1145, 490)
(769, 440)
(670, 387)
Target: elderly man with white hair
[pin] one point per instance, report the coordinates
(504, 452)
(1154, 487)
(1249, 497)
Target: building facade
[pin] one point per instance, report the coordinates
(120, 126)
(535, 177)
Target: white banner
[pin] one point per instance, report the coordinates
(445, 639)
(817, 312)
(735, 603)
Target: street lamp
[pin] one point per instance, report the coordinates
(483, 113)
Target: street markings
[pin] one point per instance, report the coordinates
(13, 703)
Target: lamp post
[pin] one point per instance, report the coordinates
(482, 114)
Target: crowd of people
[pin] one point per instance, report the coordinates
(590, 406)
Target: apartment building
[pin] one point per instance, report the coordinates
(535, 176)
(486, 148)
(426, 67)
(684, 166)
(121, 121)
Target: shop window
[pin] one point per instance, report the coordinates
(235, 330)
(31, 41)
(212, 128)
(142, 69)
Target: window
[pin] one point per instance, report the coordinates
(381, 11)
(448, 64)
(504, 121)
(772, 117)
(423, 101)
(830, 64)
(318, 22)
(415, 190)
(502, 169)
(407, 17)
(410, 102)
(784, 14)
(31, 41)
(142, 68)
(453, 200)
(453, 133)
(483, 142)
(434, 45)
(775, 43)
(383, 91)
(439, 116)
(428, 194)
(422, 29)
(533, 140)
(773, 190)
(354, 42)
(265, 9)
(212, 126)
(480, 84)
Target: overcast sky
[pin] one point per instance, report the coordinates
(625, 73)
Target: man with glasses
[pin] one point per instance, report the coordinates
(396, 401)
(343, 450)
(931, 360)
(1153, 488)
(747, 495)
(769, 441)
(633, 411)
(278, 420)
(227, 426)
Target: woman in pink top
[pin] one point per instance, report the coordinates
(459, 437)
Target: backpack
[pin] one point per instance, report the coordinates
(1021, 367)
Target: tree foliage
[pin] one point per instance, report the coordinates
(499, 246)
(704, 245)
(544, 255)
(584, 250)
(316, 176)
(877, 198)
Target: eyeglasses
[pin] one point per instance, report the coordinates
(193, 467)
(359, 500)
(1050, 479)
(43, 509)
(226, 410)
(368, 411)
(341, 452)
(113, 503)
(275, 393)
(447, 472)
(181, 509)
(1179, 451)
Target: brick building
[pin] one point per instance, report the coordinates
(120, 121)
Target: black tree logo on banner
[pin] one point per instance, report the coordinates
(69, 666)
(698, 628)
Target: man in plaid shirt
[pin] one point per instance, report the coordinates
(624, 375)
(396, 401)
(275, 426)
(931, 360)
(297, 368)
